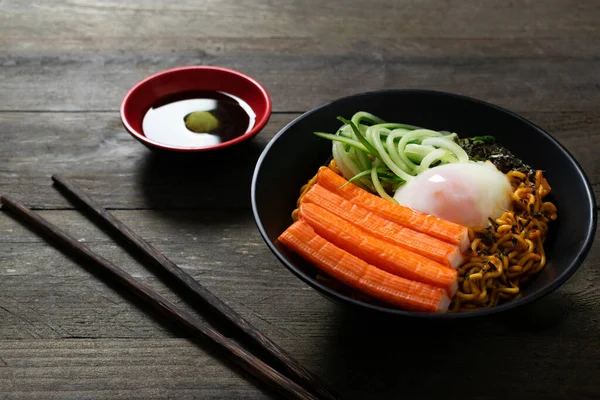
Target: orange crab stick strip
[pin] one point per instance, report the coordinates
(356, 273)
(420, 243)
(383, 255)
(434, 226)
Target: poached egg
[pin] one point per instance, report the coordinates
(465, 193)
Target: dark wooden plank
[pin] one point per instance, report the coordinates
(175, 368)
(116, 369)
(299, 82)
(406, 18)
(494, 55)
(562, 47)
(120, 173)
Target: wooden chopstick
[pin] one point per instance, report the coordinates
(247, 361)
(285, 362)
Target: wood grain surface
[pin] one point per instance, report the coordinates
(64, 68)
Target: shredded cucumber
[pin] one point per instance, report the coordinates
(460, 154)
(346, 162)
(432, 157)
(416, 152)
(380, 156)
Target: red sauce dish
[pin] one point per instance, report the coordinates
(173, 82)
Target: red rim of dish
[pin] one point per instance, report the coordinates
(260, 122)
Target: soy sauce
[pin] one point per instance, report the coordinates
(165, 121)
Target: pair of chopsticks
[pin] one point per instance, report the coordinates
(293, 380)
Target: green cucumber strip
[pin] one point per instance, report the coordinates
(378, 187)
(360, 137)
(444, 143)
(342, 139)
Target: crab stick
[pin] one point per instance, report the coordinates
(356, 273)
(428, 224)
(386, 256)
(384, 229)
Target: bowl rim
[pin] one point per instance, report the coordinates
(332, 294)
(258, 126)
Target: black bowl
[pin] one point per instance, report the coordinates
(295, 154)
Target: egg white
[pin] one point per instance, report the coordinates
(464, 193)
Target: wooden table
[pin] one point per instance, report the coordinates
(65, 66)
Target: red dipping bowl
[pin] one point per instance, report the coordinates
(170, 82)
